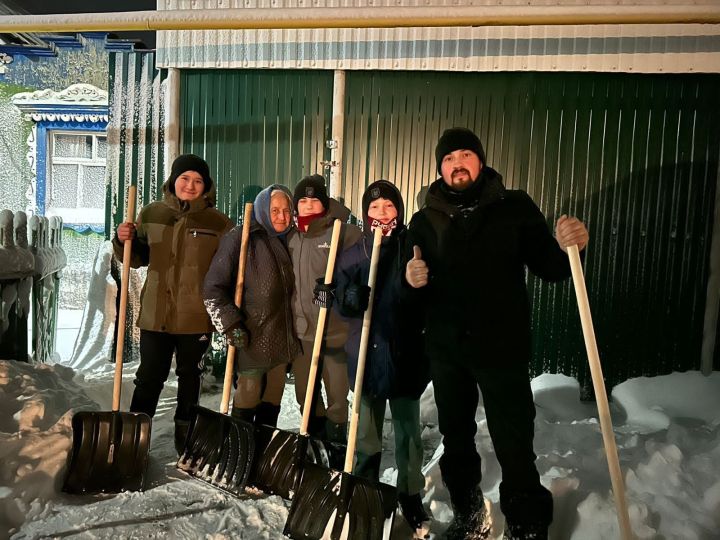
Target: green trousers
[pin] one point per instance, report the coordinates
(408, 441)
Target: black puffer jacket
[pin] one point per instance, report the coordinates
(266, 305)
(477, 246)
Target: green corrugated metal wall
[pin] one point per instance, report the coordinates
(635, 156)
(256, 128)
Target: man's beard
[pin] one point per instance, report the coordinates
(466, 182)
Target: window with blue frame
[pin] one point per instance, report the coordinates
(69, 153)
(75, 187)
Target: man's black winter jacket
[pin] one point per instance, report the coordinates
(477, 245)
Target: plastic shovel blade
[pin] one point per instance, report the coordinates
(110, 452)
(219, 450)
(334, 505)
(280, 456)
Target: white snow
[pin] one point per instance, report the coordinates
(667, 431)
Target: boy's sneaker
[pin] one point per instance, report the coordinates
(415, 514)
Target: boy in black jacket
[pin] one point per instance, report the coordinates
(395, 370)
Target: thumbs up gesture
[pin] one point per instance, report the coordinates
(416, 271)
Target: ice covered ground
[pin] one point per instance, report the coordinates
(667, 430)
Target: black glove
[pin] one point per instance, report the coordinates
(323, 294)
(356, 298)
(238, 336)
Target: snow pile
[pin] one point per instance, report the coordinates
(36, 407)
(667, 431)
(93, 345)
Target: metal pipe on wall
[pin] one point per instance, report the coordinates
(338, 128)
(362, 17)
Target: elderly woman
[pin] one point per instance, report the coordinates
(176, 239)
(262, 328)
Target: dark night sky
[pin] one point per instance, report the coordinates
(38, 7)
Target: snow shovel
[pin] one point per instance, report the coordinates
(281, 454)
(337, 505)
(110, 449)
(600, 394)
(219, 448)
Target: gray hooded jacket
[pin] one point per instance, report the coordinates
(309, 252)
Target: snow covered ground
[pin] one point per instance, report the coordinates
(667, 431)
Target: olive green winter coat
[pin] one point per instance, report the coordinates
(176, 240)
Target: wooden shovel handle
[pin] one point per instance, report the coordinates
(600, 394)
(362, 353)
(319, 331)
(122, 315)
(239, 283)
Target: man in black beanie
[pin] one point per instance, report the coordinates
(471, 245)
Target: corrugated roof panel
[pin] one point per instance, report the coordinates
(604, 48)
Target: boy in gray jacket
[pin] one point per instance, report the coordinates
(309, 244)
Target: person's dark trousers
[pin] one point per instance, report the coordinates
(156, 352)
(510, 415)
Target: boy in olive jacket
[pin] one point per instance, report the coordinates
(176, 239)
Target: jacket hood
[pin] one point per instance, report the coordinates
(261, 209)
(337, 210)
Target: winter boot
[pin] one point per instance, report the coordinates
(181, 431)
(267, 414)
(240, 413)
(415, 514)
(472, 518)
(336, 433)
(528, 513)
(525, 531)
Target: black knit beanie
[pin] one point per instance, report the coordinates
(312, 187)
(458, 139)
(190, 162)
(385, 190)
